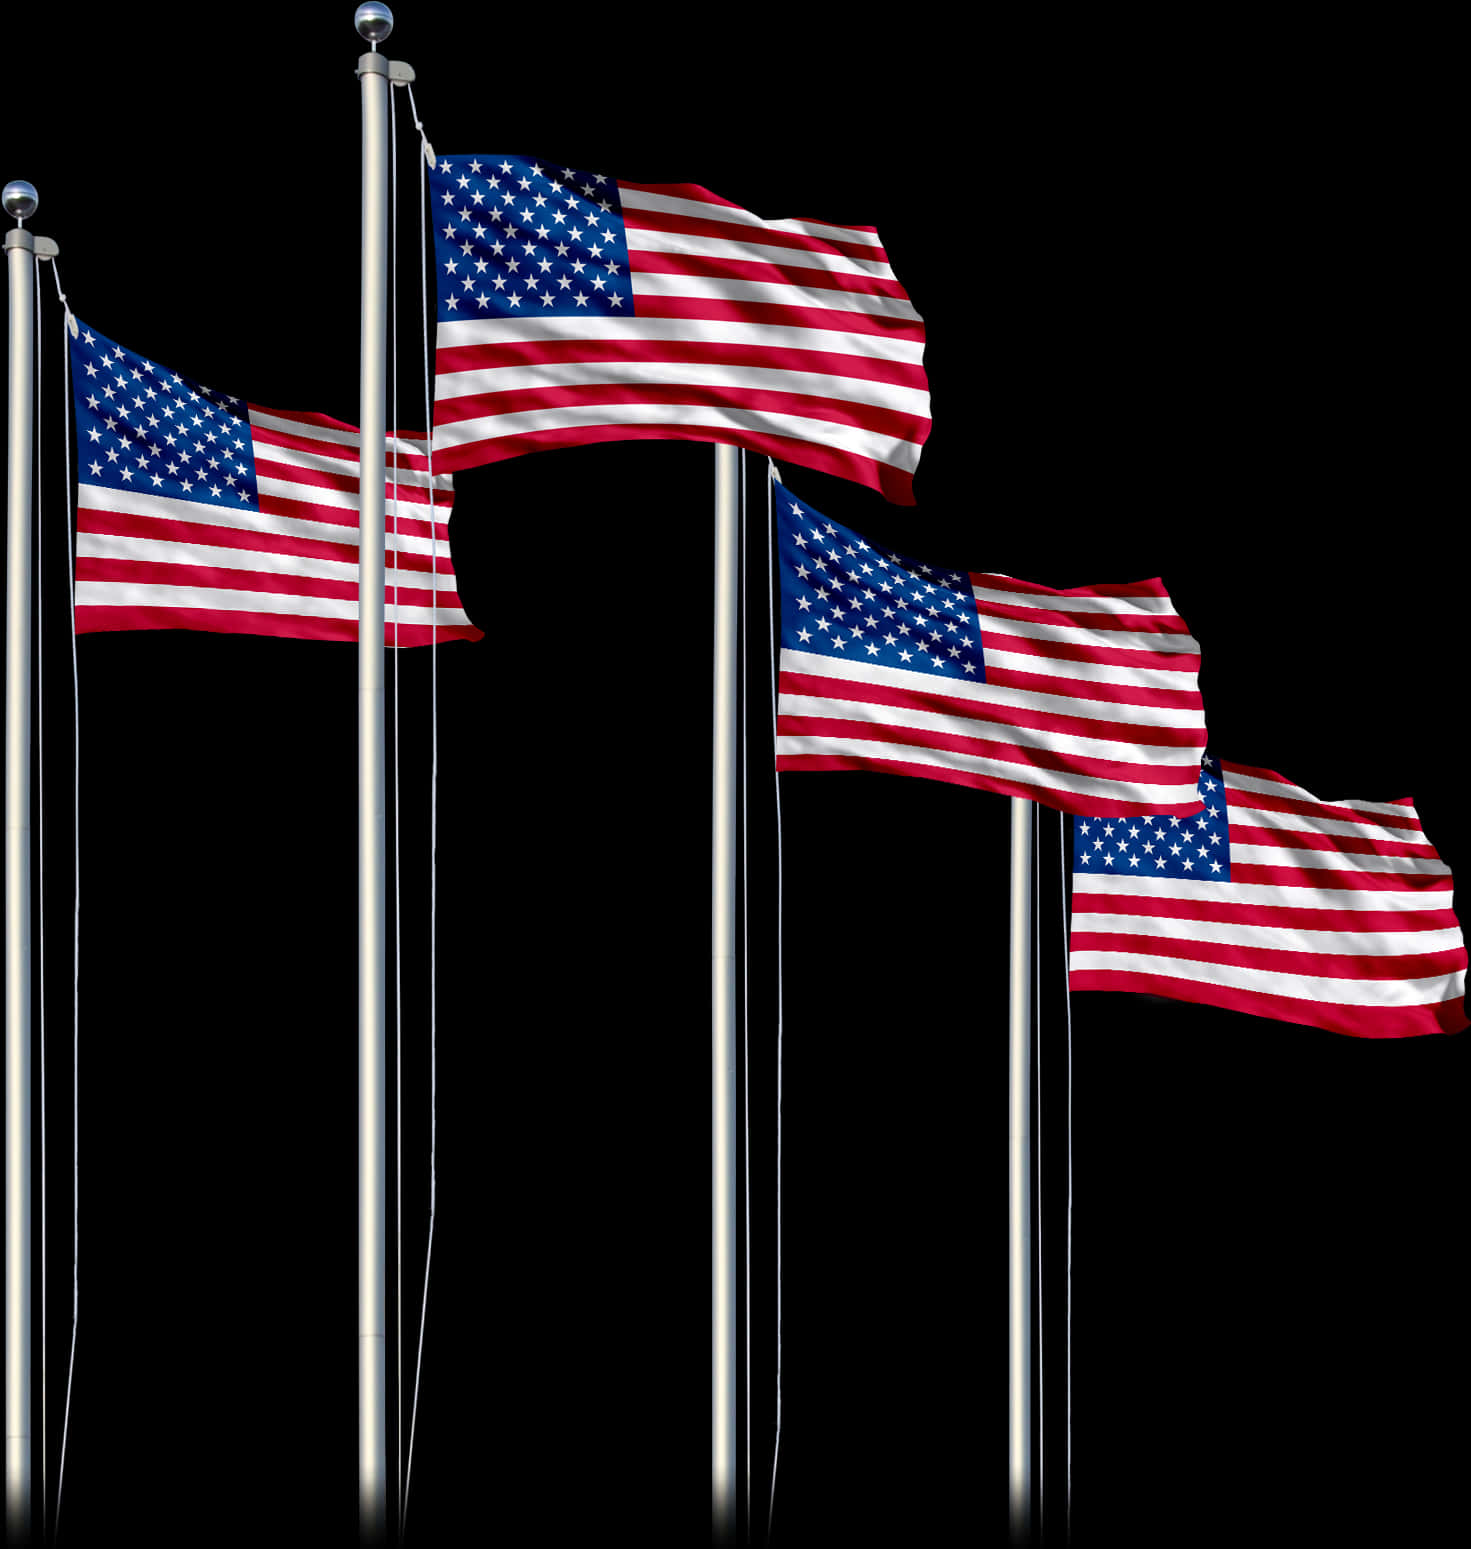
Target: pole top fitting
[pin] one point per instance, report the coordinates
(20, 199)
(374, 21)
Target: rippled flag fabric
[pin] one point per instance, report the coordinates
(1333, 914)
(1086, 700)
(199, 511)
(576, 308)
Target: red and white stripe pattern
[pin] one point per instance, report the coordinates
(787, 337)
(146, 560)
(1086, 700)
(1335, 914)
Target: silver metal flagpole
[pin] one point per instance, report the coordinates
(374, 23)
(1019, 1132)
(21, 249)
(723, 1088)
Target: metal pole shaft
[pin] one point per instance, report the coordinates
(372, 896)
(20, 262)
(723, 1089)
(1019, 1132)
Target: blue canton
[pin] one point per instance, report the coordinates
(514, 238)
(1197, 848)
(840, 596)
(142, 427)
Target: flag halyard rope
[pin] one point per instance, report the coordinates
(69, 325)
(428, 159)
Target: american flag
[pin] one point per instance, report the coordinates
(1085, 700)
(576, 308)
(198, 511)
(1333, 914)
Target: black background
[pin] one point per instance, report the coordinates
(1181, 322)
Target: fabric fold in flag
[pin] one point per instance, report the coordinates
(198, 511)
(1332, 914)
(576, 308)
(1086, 700)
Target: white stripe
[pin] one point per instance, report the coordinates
(349, 439)
(1177, 680)
(1242, 782)
(1331, 860)
(1296, 822)
(1158, 606)
(1041, 700)
(160, 551)
(1325, 988)
(1378, 943)
(1072, 634)
(1046, 779)
(674, 204)
(846, 438)
(507, 379)
(409, 479)
(319, 495)
(674, 331)
(645, 239)
(958, 724)
(769, 293)
(135, 503)
(1261, 893)
(117, 594)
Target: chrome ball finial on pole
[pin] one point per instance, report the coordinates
(374, 21)
(20, 198)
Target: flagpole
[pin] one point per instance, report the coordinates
(374, 22)
(724, 1246)
(1019, 1131)
(21, 249)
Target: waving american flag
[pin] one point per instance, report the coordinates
(199, 511)
(576, 308)
(1085, 700)
(1334, 914)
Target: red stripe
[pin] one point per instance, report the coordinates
(1333, 965)
(771, 314)
(157, 573)
(1342, 881)
(697, 194)
(1153, 587)
(304, 417)
(731, 231)
(646, 261)
(1240, 800)
(1137, 623)
(1063, 801)
(1100, 655)
(1342, 844)
(346, 482)
(399, 457)
(1309, 805)
(999, 714)
(893, 483)
(339, 516)
(1284, 916)
(94, 620)
(122, 524)
(168, 529)
(537, 352)
(839, 411)
(986, 747)
(1112, 693)
(1447, 1016)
